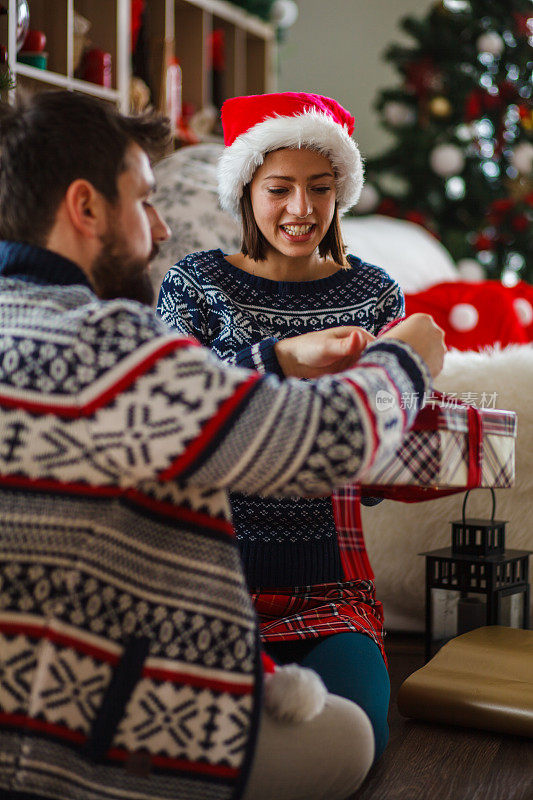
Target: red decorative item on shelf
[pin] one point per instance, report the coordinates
(137, 10)
(216, 49)
(35, 41)
(97, 67)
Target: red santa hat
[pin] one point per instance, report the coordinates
(257, 124)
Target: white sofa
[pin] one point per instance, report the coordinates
(395, 532)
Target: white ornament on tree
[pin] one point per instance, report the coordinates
(446, 160)
(368, 200)
(522, 158)
(284, 13)
(490, 42)
(398, 114)
(470, 270)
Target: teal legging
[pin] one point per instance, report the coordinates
(351, 665)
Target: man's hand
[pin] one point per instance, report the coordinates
(311, 355)
(425, 336)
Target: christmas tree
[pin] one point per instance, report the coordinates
(462, 119)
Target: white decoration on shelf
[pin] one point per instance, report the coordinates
(524, 310)
(446, 160)
(470, 270)
(522, 158)
(368, 200)
(284, 13)
(490, 42)
(398, 114)
(23, 21)
(463, 317)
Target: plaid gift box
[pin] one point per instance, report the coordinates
(450, 447)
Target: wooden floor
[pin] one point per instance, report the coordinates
(437, 762)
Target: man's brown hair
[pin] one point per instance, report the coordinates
(54, 138)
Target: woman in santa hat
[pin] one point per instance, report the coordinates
(289, 168)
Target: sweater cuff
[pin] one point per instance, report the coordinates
(413, 378)
(260, 357)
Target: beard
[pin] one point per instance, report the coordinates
(116, 274)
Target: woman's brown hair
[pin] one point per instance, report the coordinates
(255, 245)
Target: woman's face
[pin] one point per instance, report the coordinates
(293, 200)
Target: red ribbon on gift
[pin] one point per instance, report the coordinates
(428, 420)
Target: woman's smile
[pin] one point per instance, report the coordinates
(296, 232)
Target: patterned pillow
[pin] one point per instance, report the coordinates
(474, 315)
(187, 199)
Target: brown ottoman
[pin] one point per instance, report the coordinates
(482, 679)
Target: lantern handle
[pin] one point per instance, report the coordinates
(493, 504)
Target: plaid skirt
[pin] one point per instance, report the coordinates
(304, 612)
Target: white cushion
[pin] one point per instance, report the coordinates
(410, 254)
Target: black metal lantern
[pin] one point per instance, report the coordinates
(475, 582)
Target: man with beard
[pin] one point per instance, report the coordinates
(129, 657)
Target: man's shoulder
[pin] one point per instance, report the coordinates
(123, 319)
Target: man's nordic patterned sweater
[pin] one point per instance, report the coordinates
(129, 659)
(284, 542)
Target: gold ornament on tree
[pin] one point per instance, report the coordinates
(440, 106)
(519, 188)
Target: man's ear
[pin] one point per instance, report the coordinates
(85, 207)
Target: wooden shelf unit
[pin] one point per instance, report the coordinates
(55, 18)
(176, 28)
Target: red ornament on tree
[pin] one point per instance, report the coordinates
(423, 77)
(388, 207)
(520, 223)
(483, 242)
(498, 209)
(524, 24)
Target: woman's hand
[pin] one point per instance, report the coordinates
(311, 355)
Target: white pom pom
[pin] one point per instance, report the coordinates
(463, 317)
(294, 694)
(368, 200)
(524, 310)
(470, 270)
(490, 42)
(446, 160)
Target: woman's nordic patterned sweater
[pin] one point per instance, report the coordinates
(284, 542)
(129, 659)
